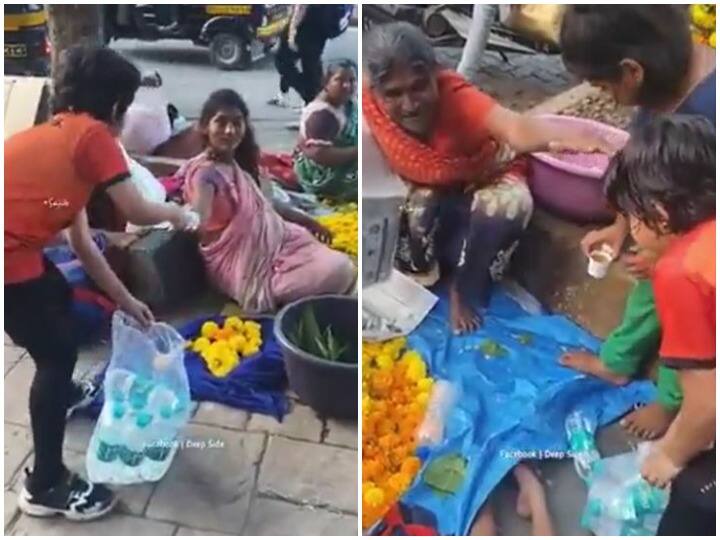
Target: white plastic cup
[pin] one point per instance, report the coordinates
(599, 262)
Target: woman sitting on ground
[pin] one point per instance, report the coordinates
(326, 157)
(456, 147)
(260, 256)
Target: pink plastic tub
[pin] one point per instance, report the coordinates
(571, 185)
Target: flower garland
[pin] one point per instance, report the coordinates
(222, 348)
(395, 393)
(343, 224)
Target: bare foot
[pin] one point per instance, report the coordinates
(592, 365)
(531, 503)
(484, 522)
(463, 318)
(648, 422)
(531, 490)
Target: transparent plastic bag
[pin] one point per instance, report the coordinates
(620, 502)
(147, 403)
(442, 399)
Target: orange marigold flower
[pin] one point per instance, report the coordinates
(411, 466)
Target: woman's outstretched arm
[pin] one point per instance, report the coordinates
(528, 133)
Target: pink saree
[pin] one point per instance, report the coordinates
(259, 259)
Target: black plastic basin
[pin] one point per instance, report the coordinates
(330, 388)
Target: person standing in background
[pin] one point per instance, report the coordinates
(304, 40)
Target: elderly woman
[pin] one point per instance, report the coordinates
(457, 148)
(326, 156)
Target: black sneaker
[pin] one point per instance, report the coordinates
(84, 394)
(74, 498)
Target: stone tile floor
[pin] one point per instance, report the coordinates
(237, 474)
(520, 83)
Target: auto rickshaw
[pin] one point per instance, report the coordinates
(27, 48)
(236, 34)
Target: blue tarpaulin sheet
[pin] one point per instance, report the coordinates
(257, 385)
(512, 406)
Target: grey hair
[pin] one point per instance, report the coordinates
(398, 43)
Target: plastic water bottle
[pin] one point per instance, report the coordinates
(104, 452)
(139, 392)
(118, 383)
(648, 499)
(135, 437)
(581, 438)
(167, 415)
(442, 399)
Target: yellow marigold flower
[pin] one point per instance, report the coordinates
(200, 345)
(394, 401)
(412, 357)
(374, 497)
(384, 362)
(237, 342)
(422, 398)
(416, 371)
(252, 325)
(209, 329)
(366, 404)
(425, 385)
(233, 323)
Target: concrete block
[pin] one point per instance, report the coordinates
(17, 393)
(211, 481)
(310, 474)
(278, 518)
(301, 423)
(11, 508)
(214, 414)
(12, 355)
(18, 446)
(115, 524)
(342, 433)
(165, 268)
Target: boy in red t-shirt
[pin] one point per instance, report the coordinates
(664, 182)
(51, 172)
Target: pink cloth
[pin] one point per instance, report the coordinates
(260, 260)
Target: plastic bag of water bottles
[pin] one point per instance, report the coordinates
(620, 502)
(580, 431)
(147, 403)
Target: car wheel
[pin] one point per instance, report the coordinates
(227, 51)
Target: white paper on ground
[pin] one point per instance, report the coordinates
(399, 301)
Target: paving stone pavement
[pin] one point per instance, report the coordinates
(234, 474)
(521, 83)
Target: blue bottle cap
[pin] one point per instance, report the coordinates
(143, 419)
(118, 410)
(166, 411)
